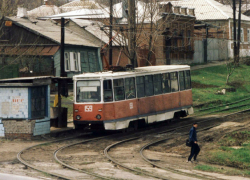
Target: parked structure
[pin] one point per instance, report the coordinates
(25, 107)
(32, 48)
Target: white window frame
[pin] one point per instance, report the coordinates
(75, 62)
(79, 62)
(241, 34)
(66, 62)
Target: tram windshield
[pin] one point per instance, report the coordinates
(88, 91)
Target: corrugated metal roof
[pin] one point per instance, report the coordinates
(52, 31)
(29, 50)
(76, 5)
(209, 9)
(44, 10)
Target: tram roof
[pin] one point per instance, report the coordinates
(137, 71)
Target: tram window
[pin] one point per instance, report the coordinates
(187, 79)
(182, 80)
(88, 91)
(140, 86)
(174, 82)
(149, 86)
(130, 88)
(157, 84)
(108, 93)
(119, 89)
(166, 85)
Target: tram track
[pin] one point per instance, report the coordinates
(172, 131)
(135, 136)
(57, 175)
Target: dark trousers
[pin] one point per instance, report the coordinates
(195, 149)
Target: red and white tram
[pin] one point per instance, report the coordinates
(117, 100)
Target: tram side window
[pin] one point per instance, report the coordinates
(182, 80)
(119, 89)
(174, 82)
(130, 88)
(157, 84)
(166, 85)
(140, 86)
(149, 86)
(187, 79)
(108, 93)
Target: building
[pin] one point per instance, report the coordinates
(220, 34)
(32, 48)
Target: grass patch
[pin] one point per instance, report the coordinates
(230, 156)
(207, 81)
(207, 168)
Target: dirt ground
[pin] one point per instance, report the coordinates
(172, 153)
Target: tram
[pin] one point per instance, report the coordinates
(144, 95)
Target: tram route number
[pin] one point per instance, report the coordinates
(89, 108)
(131, 105)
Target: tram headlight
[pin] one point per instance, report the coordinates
(98, 116)
(78, 117)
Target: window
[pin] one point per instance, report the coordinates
(67, 61)
(149, 86)
(187, 79)
(248, 35)
(108, 92)
(75, 61)
(119, 89)
(130, 88)
(174, 81)
(182, 40)
(241, 34)
(88, 91)
(140, 86)
(175, 38)
(182, 80)
(189, 39)
(38, 102)
(166, 85)
(157, 84)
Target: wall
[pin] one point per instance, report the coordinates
(217, 50)
(14, 103)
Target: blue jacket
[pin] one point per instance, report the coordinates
(192, 135)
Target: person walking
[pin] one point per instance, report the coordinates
(195, 149)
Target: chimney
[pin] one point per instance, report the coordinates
(22, 12)
(191, 11)
(184, 10)
(166, 8)
(177, 9)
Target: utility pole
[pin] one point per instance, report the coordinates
(205, 44)
(110, 33)
(62, 73)
(132, 32)
(239, 34)
(234, 28)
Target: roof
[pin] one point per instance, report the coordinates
(94, 27)
(81, 13)
(44, 10)
(29, 50)
(31, 81)
(52, 31)
(76, 5)
(137, 71)
(209, 9)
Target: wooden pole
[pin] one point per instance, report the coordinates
(111, 34)
(132, 32)
(234, 27)
(239, 34)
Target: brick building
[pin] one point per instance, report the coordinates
(220, 19)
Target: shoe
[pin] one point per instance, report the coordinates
(189, 161)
